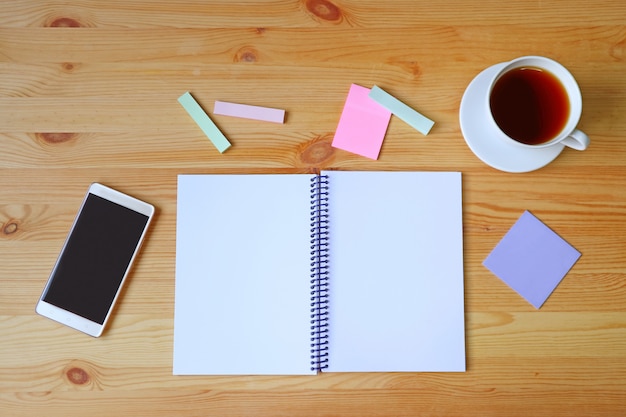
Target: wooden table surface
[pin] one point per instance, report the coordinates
(88, 93)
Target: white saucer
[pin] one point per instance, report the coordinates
(496, 153)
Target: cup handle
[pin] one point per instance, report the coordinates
(577, 140)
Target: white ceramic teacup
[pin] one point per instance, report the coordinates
(504, 117)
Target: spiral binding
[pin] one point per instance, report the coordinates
(319, 272)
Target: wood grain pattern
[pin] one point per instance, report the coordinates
(88, 93)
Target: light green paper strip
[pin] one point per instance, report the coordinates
(204, 122)
(401, 110)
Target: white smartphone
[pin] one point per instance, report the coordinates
(95, 260)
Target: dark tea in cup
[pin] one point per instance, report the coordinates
(530, 105)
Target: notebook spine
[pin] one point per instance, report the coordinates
(319, 273)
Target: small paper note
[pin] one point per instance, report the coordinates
(532, 259)
(246, 111)
(414, 119)
(204, 122)
(362, 125)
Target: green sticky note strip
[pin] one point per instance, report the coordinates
(204, 122)
(401, 110)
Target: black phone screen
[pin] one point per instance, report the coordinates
(95, 258)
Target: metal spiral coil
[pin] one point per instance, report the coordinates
(319, 273)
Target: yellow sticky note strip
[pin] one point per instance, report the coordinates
(204, 122)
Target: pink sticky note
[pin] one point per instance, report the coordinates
(531, 259)
(362, 125)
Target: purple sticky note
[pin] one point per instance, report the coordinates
(531, 259)
(362, 125)
(247, 111)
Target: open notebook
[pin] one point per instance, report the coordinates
(337, 272)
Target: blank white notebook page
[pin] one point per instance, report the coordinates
(242, 275)
(396, 272)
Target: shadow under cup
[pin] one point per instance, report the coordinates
(535, 101)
